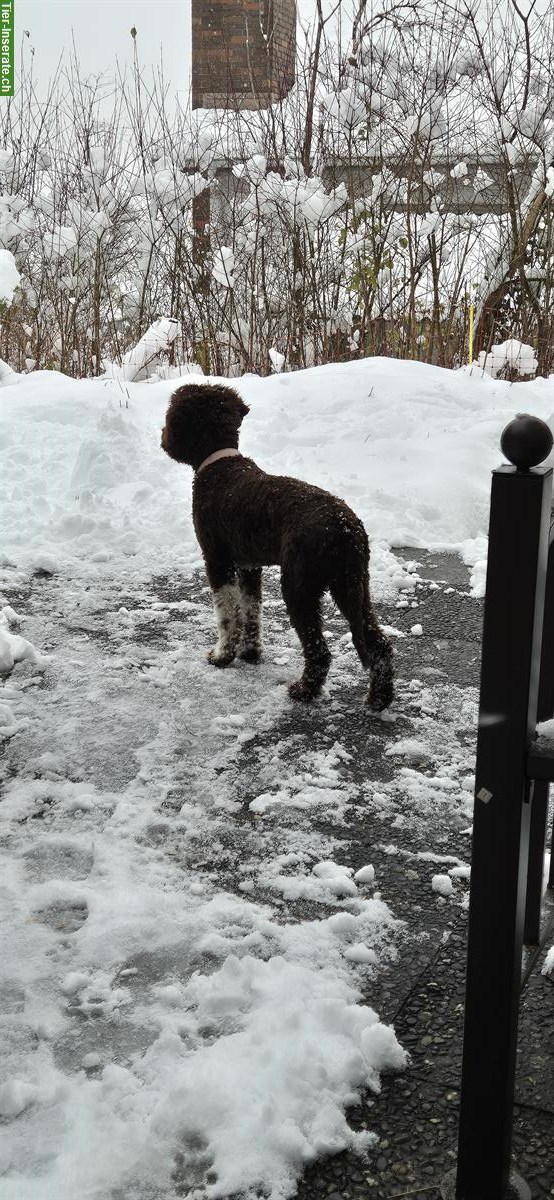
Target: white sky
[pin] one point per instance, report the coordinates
(102, 35)
(101, 30)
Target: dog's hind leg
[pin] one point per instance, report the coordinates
(374, 649)
(303, 601)
(250, 583)
(381, 688)
(348, 595)
(226, 598)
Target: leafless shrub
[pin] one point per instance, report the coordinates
(402, 179)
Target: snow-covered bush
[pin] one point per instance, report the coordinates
(322, 227)
(509, 360)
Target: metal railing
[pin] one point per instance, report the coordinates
(511, 804)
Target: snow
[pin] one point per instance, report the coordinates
(223, 266)
(365, 874)
(159, 337)
(183, 997)
(14, 648)
(545, 733)
(335, 878)
(253, 170)
(15, 1097)
(442, 884)
(59, 241)
(296, 1082)
(8, 377)
(548, 964)
(511, 355)
(277, 359)
(161, 1016)
(359, 953)
(409, 446)
(9, 276)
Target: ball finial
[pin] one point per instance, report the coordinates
(526, 441)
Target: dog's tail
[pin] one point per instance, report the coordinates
(351, 595)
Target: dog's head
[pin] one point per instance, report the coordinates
(201, 419)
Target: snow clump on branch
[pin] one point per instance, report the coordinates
(9, 276)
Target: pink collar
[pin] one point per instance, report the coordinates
(228, 453)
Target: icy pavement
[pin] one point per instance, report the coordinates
(213, 900)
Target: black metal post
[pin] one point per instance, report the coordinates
(551, 869)
(539, 806)
(535, 869)
(546, 696)
(514, 604)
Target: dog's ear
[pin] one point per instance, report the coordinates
(233, 404)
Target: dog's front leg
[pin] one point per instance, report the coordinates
(250, 582)
(226, 598)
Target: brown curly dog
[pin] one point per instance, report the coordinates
(246, 519)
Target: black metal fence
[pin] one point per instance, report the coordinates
(511, 805)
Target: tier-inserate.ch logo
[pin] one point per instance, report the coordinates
(6, 48)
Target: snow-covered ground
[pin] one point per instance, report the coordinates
(409, 446)
(164, 1016)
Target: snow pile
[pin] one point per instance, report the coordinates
(337, 879)
(409, 446)
(326, 882)
(289, 1035)
(14, 648)
(302, 1051)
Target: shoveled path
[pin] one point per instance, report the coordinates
(404, 829)
(409, 782)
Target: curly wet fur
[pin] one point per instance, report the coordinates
(246, 519)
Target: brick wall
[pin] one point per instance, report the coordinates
(243, 52)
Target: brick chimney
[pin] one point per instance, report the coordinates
(243, 52)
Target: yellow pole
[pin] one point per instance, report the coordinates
(471, 313)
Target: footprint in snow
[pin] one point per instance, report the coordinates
(65, 916)
(193, 1167)
(58, 859)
